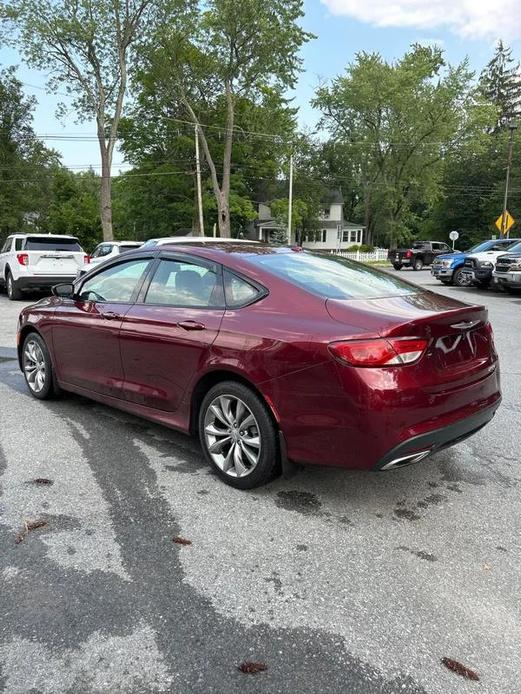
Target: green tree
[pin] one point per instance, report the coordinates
(235, 51)
(397, 121)
(74, 206)
(500, 83)
(87, 47)
(160, 193)
(26, 165)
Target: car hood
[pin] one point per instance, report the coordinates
(458, 255)
(486, 255)
(510, 255)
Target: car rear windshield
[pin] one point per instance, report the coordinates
(332, 277)
(41, 243)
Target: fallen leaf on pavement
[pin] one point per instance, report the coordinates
(29, 526)
(250, 667)
(460, 669)
(181, 541)
(40, 481)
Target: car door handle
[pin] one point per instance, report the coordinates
(190, 325)
(110, 315)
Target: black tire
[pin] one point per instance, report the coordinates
(447, 283)
(459, 278)
(262, 428)
(484, 284)
(13, 292)
(397, 266)
(49, 388)
(418, 264)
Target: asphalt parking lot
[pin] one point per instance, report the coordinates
(338, 581)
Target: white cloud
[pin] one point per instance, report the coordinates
(477, 19)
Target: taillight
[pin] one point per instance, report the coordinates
(408, 254)
(22, 258)
(86, 259)
(379, 352)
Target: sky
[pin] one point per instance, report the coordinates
(343, 28)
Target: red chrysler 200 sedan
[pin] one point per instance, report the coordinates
(272, 354)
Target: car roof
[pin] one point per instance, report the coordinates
(120, 243)
(196, 239)
(45, 236)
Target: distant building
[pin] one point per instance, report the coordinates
(333, 233)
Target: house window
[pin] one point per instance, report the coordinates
(325, 212)
(323, 235)
(345, 236)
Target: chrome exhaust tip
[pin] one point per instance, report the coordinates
(406, 460)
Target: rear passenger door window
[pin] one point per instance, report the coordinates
(185, 284)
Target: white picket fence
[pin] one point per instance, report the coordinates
(377, 254)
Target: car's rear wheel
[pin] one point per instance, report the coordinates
(418, 264)
(397, 266)
(238, 436)
(37, 368)
(13, 292)
(462, 279)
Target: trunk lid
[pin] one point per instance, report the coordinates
(460, 343)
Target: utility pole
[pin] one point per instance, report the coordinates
(198, 177)
(290, 201)
(512, 127)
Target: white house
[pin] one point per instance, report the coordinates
(333, 233)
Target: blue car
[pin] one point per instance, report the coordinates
(448, 268)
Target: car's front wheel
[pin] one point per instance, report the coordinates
(13, 292)
(238, 436)
(462, 279)
(37, 368)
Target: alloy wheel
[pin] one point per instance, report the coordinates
(232, 436)
(463, 279)
(34, 366)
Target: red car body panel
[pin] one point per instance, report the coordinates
(328, 412)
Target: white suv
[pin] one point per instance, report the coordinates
(108, 249)
(39, 261)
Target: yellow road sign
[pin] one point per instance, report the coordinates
(509, 222)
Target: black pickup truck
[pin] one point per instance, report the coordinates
(420, 254)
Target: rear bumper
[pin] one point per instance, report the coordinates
(419, 447)
(42, 281)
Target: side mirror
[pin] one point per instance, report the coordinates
(65, 290)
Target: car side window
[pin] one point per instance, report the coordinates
(115, 284)
(183, 283)
(443, 247)
(7, 245)
(238, 292)
(104, 250)
(18, 244)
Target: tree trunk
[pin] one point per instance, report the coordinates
(106, 199)
(223, 215)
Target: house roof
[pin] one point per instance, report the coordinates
(333, 197)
